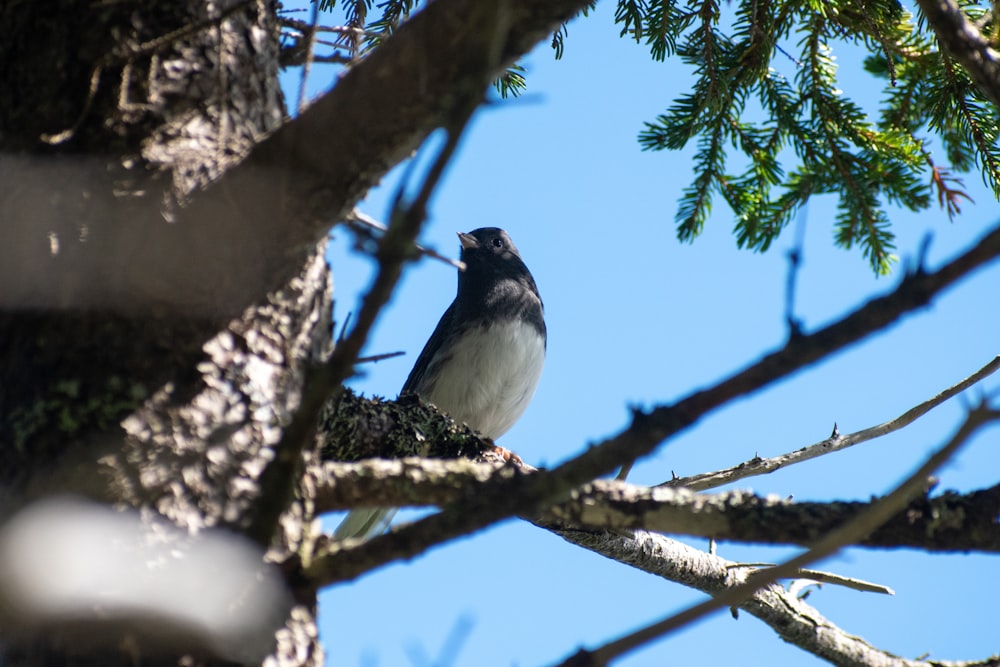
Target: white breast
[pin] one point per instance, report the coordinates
(490, 378)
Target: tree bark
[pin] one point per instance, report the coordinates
(159, 308)
(114, 116)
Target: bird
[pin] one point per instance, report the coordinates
(482, 364)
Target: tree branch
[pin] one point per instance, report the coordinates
(792, 619)
(962, 39)
(279, 479)
(945, 523)
(526, 494)
(411, 481)
(835, 443)
(249, 231)
(848, 533)
(806, 576)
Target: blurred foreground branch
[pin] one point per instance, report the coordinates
(962, 40)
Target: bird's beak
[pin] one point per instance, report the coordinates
(468, 241)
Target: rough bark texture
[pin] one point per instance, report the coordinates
(114, 114)
(151, 102)
(794, 620)
(247, 233)
(353, 428)
(159, 307)
(163, 291)
(171, 105)
(941, 523)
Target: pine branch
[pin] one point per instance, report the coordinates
(961, 38)
(839, 150)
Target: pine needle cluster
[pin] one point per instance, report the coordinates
(772, 126)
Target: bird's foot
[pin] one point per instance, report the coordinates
(498, 453)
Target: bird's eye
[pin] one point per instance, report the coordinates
(497, 242)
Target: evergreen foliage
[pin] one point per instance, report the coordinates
(772, 126)
(813, 138)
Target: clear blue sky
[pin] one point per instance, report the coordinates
(635, 317)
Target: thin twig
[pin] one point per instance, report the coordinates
(846, 582)
(852, 531)
(128, 51)
(375, 358)
(333, 58)
(795, 258)
(356, 218)
(332, 45)
(343, 328)
(836, 442)
(820, 576)
(304, 27)
(310, 37)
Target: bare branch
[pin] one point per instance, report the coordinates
(840, 580)
(947, 523)
(304, 27)
(792, 619)
(310, 45)
(410, 481)
(878, 513)
(525, 495)
(794, 265)
(835, 443)
(363, 223)
(375, 358)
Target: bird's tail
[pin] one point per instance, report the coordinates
(364, 522)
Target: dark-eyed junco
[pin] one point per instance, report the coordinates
(482, 363)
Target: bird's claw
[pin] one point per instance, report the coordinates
(504, 454)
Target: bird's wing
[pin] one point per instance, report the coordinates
(434, 344)
(364, 522)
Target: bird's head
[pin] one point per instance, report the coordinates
(489, 246)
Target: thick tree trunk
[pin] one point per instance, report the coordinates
(113, 114)
(139, 363)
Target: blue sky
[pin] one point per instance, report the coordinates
(635, 317)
